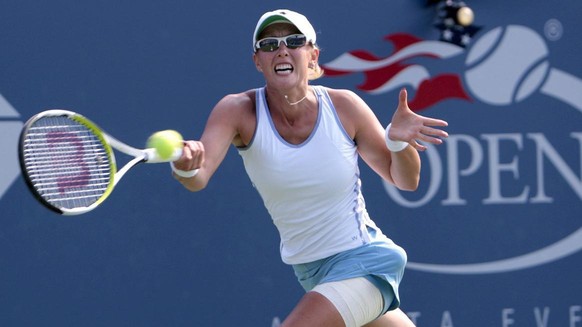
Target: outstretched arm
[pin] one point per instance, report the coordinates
(401, 168)
(410, 127)
(222, 128)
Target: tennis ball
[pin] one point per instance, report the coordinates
(165, 142)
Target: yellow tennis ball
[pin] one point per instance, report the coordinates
(165, 142)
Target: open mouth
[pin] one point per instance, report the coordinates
(284, 69)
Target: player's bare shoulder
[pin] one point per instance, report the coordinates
(237, 103)
(340, 96)
(346, 101)
(350, 108)
(238, 111)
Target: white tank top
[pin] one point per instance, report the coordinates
(312, 190)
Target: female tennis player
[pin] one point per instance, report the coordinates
(300, 145)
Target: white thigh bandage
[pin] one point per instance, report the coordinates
(357, 300)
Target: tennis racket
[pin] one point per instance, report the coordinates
(68, 162)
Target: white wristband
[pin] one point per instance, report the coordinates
(394, 146)
(184, 173)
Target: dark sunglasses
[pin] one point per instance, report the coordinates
(270, 44)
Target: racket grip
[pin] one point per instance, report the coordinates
(176, 155)
(152, 156)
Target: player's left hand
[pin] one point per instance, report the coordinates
(410, 127)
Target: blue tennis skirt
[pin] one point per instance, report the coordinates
(381, 262)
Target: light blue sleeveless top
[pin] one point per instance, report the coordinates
(312, 190)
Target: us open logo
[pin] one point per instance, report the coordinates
(502, 68)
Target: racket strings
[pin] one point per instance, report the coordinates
(66, 162)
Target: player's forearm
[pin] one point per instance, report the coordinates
(405, 169)
(194, 180)
(193, 184)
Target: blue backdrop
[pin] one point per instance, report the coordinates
(493, 234)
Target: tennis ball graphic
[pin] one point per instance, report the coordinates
(506, 65)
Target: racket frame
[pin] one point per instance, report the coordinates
(109, 143)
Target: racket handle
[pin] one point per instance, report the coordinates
(152, 156)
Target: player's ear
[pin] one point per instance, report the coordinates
(315, 54)
(257, 64)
